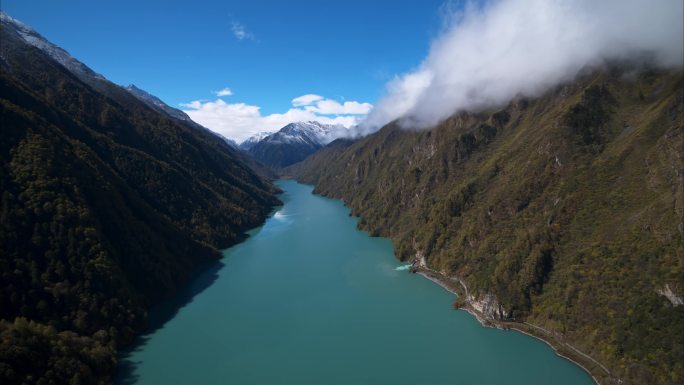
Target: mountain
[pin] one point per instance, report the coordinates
(250, 142)
(107, 206)
(87, 75)
(33, 38)
(156, 103)
(560, 215)
(291, 143)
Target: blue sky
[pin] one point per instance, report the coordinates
(182, 51)
(367, 62)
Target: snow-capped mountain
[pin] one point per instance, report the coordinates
(92, 78)
(292, 143)
(303, 131)
(250, 142)
(35, 39)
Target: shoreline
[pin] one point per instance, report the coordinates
(457, 287)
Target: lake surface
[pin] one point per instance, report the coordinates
(309, 299)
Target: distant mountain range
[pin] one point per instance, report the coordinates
(250, 142)
(291, 144)
(110, 201)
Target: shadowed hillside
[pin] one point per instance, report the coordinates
(107, 206)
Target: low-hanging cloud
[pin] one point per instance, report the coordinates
(490, 53)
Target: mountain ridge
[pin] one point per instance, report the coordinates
(252, 140)
(563, 211)
(108, 206)
(157, 104)
(33, 38)
(291, 144)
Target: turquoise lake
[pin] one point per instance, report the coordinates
(309, 299)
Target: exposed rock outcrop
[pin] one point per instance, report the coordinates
(671, 296)
(489, 306)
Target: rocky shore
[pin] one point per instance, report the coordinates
(490, 313)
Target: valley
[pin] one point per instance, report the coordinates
(366, 321)
(434, 192)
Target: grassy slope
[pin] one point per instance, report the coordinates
(567, 207)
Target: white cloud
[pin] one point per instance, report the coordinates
(490, 53)
(224, 92)
(332, 107)
(195, 104)
(320, 105)
(240, 31)
(306, 100)
(239, 121)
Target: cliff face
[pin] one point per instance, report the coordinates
(490, 307)
(564, 211)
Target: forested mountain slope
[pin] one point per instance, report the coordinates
(564, 211)
(107, 206)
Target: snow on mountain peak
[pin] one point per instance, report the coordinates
(292, 143)
(312, 131)
(254, 139)
(35, 39)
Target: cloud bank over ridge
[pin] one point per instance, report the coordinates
(490, 53)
